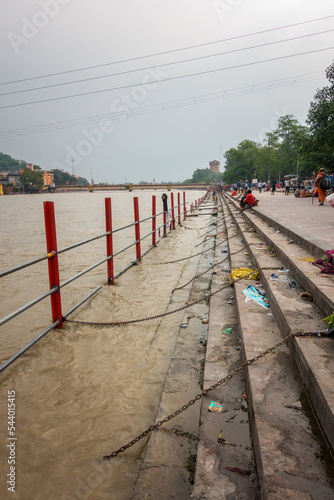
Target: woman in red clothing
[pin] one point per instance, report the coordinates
(321, 192)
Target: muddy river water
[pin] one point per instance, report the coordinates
(82, 391)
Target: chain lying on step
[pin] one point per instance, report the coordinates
(209, 389)
(140, 320)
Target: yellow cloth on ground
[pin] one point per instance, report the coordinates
(244, 273)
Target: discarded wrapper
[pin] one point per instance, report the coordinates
(215, 406)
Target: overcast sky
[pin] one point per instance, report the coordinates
(155, 122)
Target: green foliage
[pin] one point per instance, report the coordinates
(320, 119)
(330, 322)
(82, 181)
(64, 178)
(205, 176)
(32, 180)
(9, 164)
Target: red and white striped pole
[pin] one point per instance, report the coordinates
(109, 242)
(51, 246)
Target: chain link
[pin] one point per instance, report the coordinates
(199, 396)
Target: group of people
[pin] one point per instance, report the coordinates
(323, 185)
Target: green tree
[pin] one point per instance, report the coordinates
(32, 180)
(205, 176)
(9, 164)
(240, 162)
(320, 118)
(64, 178)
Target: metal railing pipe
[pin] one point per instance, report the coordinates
(74, 308)
(123, 227)
(10, 270)
(83, 272)
(28, 305)
(27, 346)
(125, 248)
(44, 332)
(62, 250)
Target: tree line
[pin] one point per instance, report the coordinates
(291, 147)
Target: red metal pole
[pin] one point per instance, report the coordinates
(179, 208)
(109, 242)
(172, 225)
(165, 223)
(184, 206)
(51, 246)
(154, 221)
(137, 227)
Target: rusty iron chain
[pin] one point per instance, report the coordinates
(199, 396)
(140, 320)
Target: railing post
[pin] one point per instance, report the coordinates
(165, 223)
(179, 208)
(172, 225)
(51, 247)
(137, 227)
(154, 221)
(184, 206)
(109, 242)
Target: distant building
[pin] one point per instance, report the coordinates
(30, 166)
(48, 178)
(214, 166)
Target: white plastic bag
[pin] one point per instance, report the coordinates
(330, 199)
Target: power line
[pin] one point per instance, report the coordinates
(167, 64)
(238, 37)
(167, 79)
(229, 93)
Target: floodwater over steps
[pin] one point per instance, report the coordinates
(83, 391)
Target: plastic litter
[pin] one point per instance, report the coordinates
(252, 294)
(227, 331)
(244, 273)
(293, 284)
(241, 472)
(215, 406)
(223, 441)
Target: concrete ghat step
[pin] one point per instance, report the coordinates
(293, 257)
(286, 449)
(212, 480)
(168, 459)
(313, 356)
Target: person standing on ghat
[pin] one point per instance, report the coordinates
(321, 191)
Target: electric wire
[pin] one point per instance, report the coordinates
(237, 37)
(223, 95)
(172, 78)
(163, 65)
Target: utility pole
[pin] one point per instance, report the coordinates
(72, 160)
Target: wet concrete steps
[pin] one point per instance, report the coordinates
(291, 456)
(212, 480)
(313, 356)
(294, 253)
(168, 460)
